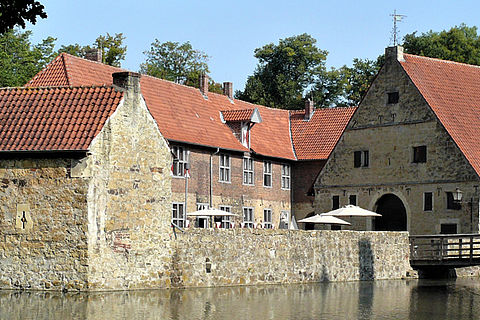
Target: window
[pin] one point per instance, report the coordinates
(267, 174)
(286, 176)
(267, 218)
(180, 162)
(226, 219)
(224, 174)
(360, 159)
(178, 214)
(428, 201)
(393, 97)
(448, 228)
(420, 154)
(248, 217)
(451, 204)
(335, 202)
(248, 171)
(352, 199)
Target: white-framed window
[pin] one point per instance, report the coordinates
(178, 214)
(226, 219)
(248, 171)
(286, 176)
(224, 168)
(248, 217)
(267, 218)
(267, 173)
(428, 201)
(180, 162)
(202, 222)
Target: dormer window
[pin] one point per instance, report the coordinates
(241, 122)
(393, 97)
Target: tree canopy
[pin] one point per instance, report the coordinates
(20, 60)
(295, 69)
(17, 12)
(178, 62)
(113, 51)
(460, 43)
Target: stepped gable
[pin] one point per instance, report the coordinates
(54, 118)
(452, 90)
(182, 113)
(315, 139)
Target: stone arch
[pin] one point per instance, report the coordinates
(393, 211)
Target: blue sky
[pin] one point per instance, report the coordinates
(229, 31)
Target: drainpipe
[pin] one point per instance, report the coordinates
(211, 174)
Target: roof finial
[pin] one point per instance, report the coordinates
(396, 17)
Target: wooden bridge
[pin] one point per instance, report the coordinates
(444, 251)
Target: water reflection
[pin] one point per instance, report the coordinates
(421, 299)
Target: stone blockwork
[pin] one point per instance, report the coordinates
(129, 200)
(389, 132)
(219, 257)
(43, 225)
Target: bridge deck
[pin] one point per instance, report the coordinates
(452, 251)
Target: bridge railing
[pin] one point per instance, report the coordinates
(445, 247)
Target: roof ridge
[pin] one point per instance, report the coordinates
(441, 60)
(55, 87)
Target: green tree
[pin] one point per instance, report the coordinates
(111, 46)
(284, 72)
(20, 60)
(17, 12)
(460, 43)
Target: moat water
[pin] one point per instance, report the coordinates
(415, 299)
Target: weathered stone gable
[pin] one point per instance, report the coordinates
(129, 201)
(390, 132)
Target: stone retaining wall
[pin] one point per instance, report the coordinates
(219, 257)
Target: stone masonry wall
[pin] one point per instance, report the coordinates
(43, 224)
(219, 257)
(129, 201)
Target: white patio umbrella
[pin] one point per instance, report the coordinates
(351, 211)
(211, 212)
(324, 220)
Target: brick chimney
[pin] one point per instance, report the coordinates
(204, 84)
(127, 80)
(94, 55)
(309, 109)
(228, 89)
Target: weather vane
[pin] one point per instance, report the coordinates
(396, 17)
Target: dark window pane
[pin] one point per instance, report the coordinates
(335, 202)
(448, 228)
(335, 227)
(428, 201)
(393, 97)
(352, 199)
(420, 154)
(365, 158)
(357, 159)
(451, 204)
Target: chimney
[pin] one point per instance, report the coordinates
(228, 89)
(127, 80)
(394, 53)
(94, 55)
(309, 109)
(204, 84)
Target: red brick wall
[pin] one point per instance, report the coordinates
(304, 175)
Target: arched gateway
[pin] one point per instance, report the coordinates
(394, 215)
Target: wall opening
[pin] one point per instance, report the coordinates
(394, 215)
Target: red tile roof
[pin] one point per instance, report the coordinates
(184, 115)
(54, 118)
(316, 138)
(453, 92)
(237, 115)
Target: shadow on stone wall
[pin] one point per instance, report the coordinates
(365, 260)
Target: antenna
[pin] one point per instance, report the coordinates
(396, 17)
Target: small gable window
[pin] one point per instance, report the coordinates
(392, 97)
(420, 154)
(360, 159)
